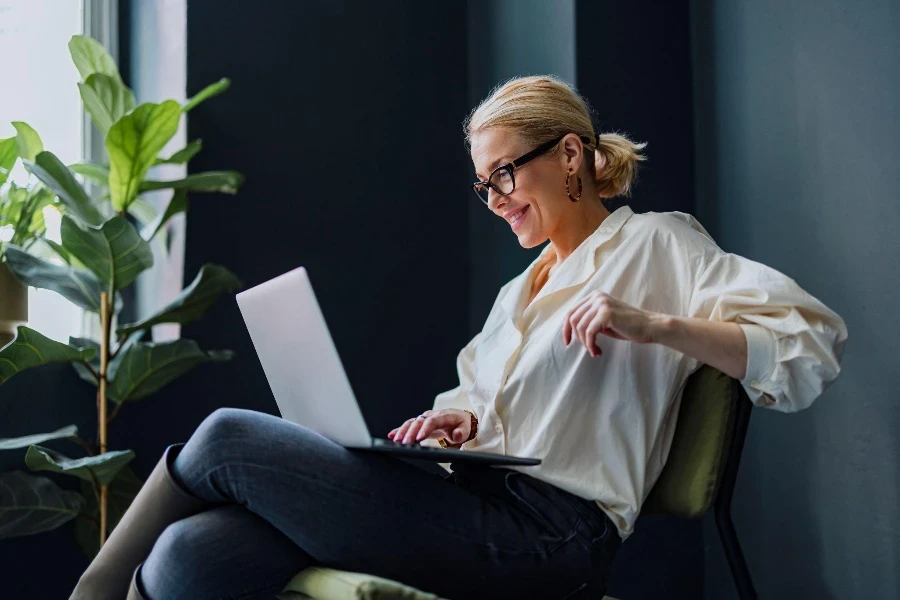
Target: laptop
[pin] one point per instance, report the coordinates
(309, 383)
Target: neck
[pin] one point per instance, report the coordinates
(577, 227)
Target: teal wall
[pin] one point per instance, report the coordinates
(797, 150)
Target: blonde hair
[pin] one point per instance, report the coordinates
(539, 108)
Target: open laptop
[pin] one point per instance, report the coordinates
(307, 378)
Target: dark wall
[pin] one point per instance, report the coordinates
(508, 38)
(633, 64)
(798, 142)
(344, 117)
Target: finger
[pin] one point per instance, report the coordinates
(401, 431)
(567, 326)
(459, 436)
(435, 421)
(581, 324)
(413, 429)
(573, 319)
(593, 329)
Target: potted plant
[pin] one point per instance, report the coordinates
(105, 245)
(21, 223)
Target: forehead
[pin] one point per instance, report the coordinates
(493, 147)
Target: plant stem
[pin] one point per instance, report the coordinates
(115, 412)
(84, 444)
(92, 370)
(101, 416)
(90, 518)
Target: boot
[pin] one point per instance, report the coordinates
(160, 502)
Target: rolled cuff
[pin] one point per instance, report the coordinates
(760, 354)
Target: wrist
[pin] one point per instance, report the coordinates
(473, 431)
(664, 328)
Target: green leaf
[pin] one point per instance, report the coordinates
(178, 204)
(183, 155)
(31, 219)
(80, 367)
(103, 466)
(227, 182)
(32, 504)
(8, 155)
(133, 143)
(121, 493)
(60, 251)
(91, 57)
(193, 302)
(106, 99)
(62, 182)
(28, 142)
(115, 251)
(143, 210)
(76, 285)
(130, 341)
(37, 438)
(94, 172)
(147, 367)
(213, 89)
(31, 349)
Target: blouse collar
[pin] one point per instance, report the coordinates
(577, 268)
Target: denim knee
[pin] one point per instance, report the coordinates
(174, 564)
(226, 422)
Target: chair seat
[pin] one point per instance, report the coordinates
(320, 583)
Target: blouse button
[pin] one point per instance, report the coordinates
(498, 428)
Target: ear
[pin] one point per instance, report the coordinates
(572, 153)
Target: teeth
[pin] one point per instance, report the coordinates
(517, 216)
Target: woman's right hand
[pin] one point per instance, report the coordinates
(452, 424)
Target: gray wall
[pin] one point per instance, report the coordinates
(797, 153)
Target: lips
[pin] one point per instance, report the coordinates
(523, 215)
(521, 212)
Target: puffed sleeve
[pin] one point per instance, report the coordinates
(794, 342)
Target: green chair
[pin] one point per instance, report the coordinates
(699, 475)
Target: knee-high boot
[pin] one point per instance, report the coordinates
(112, 575)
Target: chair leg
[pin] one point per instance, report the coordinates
(736, 561)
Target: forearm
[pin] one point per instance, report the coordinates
(720, 345)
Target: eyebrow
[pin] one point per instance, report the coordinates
(495, 164)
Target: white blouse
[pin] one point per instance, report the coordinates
(603, 425)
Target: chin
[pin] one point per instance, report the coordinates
(529, 240)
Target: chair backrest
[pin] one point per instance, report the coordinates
(708, 425)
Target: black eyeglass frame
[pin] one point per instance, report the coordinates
(511, 167)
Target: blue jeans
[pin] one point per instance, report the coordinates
(284, 497)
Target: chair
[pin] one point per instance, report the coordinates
(699, 475)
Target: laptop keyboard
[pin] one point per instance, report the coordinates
(388, 442)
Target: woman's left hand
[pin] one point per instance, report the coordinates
(598, 312)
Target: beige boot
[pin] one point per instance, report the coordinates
(160, 502)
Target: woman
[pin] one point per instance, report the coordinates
(581, 362)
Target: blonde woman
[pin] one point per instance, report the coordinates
(581, 362)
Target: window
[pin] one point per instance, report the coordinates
(40, 87)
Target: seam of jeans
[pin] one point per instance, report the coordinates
(530, 506)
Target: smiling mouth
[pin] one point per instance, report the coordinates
(513, 219)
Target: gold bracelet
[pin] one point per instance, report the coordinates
(473, 430)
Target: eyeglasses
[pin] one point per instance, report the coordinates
(502, 179)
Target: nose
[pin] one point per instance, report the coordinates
(495, 199)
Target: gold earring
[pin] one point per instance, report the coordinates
(569, 174)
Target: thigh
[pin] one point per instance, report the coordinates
(369, 512)
(224, 552)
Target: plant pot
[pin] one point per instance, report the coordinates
(13, 305)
